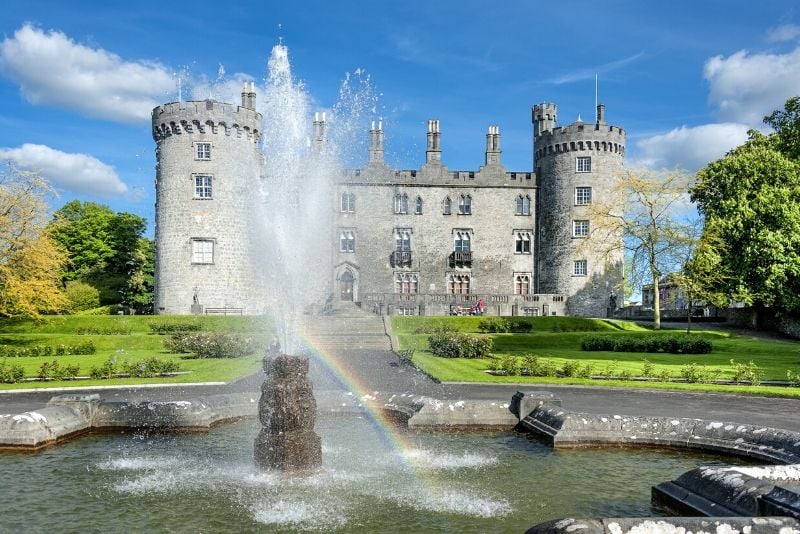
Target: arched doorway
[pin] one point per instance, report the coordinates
(346, 286)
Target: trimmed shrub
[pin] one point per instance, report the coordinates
(596, 343)
(150, 367)
(585, 371)
(535, 366)
(174, 328)
(459, 345)
(648, 368)
(747, 372)
(673, 344)
(54, 370)
(510, 365)
(103, 331)
(46, 351)
(496, 325)
(793, 377)
(570, 368)
(11, 374)
(211, 344)
(111, 309)
(107, 370)
(520, 326)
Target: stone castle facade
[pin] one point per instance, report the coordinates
(429, 241)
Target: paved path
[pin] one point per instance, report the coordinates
(380, 371)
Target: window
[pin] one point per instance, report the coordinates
(446, 206)
(583, 164)
(583, 196)
(418, 206)
(458, 284)
(522, 242)
(402, 239)
(406, 283)
(580, 228)
(347, 241)
(202, 251)
(579, 268)
(462, 241)
(401, 203)
(523, 205)
(522, 283)
(202, 186)
(530, 312)
(348, 202)
(465, 205)
(406, 311)
(202, 151)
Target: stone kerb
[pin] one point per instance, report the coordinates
(672, 525)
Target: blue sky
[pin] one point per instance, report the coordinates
(685, 79)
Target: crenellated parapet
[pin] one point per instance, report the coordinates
(206, 117)
(580, 136)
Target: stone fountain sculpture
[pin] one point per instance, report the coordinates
(287, 411)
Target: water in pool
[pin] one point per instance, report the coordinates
(206, 482)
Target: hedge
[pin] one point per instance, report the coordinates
(683, 344)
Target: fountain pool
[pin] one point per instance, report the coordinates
(460, 482)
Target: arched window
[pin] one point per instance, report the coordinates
(522, 284)
(402, 239)
(465, 205)
(462, 242)
(446, 206)
(418, 206)
(522, 242)
(458, 284)
(523, 205)
(406, 283)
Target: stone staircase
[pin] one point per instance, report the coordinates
(347, 328)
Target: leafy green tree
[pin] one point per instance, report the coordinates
(138, 291)
(30, 261)
(751, 201)
(101, 245)
(81, 296)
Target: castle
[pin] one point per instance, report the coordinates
(429, 241)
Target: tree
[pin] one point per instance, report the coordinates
(81, 296)
(138, 291)
(30, 262)
(653, 220)
(751, 200)
(101, 245)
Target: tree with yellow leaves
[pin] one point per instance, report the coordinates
(652, 211)
(31, 263)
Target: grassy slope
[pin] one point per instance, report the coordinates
(138, 345)
(773, 357)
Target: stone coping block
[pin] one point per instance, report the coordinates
(524, 402)
(745, 491)
(436, 413)
(561, 428)
(198, 414)
(669, 525)
(40, 428)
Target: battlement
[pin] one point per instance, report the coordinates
(580, 136)
(206, 116)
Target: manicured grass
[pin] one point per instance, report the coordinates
(136, 346)
(774, 358)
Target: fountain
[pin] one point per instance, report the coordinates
(287, 411)
(359, 473)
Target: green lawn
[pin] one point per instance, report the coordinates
(139, 344)
(774, 358)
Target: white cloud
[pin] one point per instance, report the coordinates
(51, 68)
(783, 33)
(79, 173)
(689, 148)
(745, 87)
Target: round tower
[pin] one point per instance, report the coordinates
(577, 167)
(207, 169)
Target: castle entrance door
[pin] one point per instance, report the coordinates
(346, 286)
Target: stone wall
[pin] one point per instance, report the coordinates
(225, 218)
